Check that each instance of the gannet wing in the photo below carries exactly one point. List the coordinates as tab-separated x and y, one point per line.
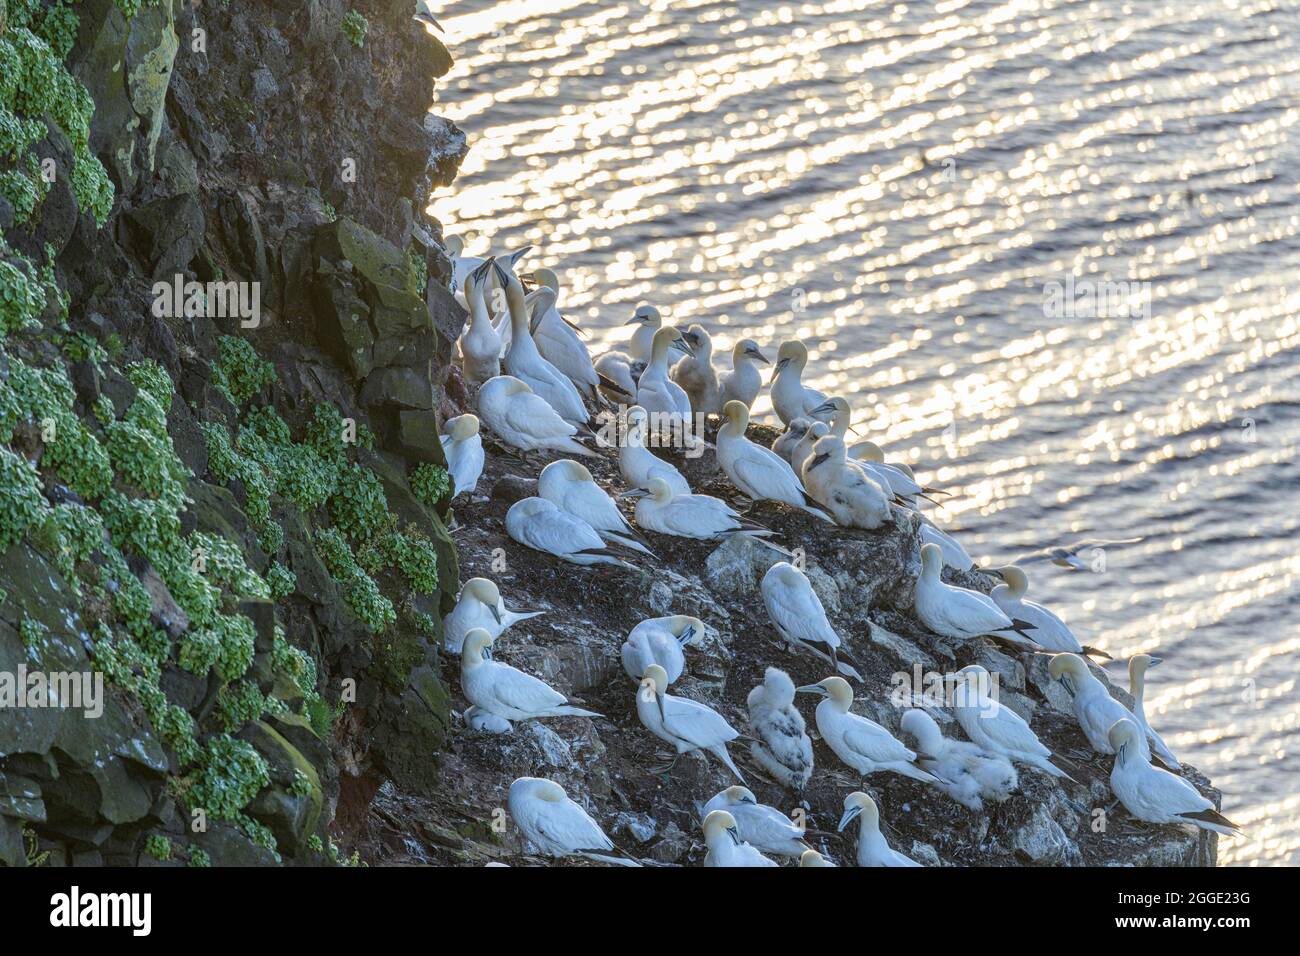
801	615
1008	730
696	723
761	474
876	743
530	414
524	692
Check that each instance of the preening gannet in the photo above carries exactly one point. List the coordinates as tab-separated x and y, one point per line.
839	486
570	487
538	524
861	743
695	373
790	398
798	616
685	724
524	420
1155	795
763	827
873	848
781	743
688	516
656	392
480	344
479	605
1094	708
638	464
743	382
789	440
960	614
1070	556
1050	632
1137	668
725	847
526	363
463	449
757	472
813	858
558	340
502	690
966	773
556	825
662	641
995	728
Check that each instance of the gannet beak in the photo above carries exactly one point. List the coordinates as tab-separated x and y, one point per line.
659	699
823	407
758	356
516	256
1067	684
817	461
634	493
849	816
634	320
496	615
681	344
685	636
1153	661
480	272
811	689
735	835
502	277
777	371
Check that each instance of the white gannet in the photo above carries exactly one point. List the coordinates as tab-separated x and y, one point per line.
995	728
702	517
1137	668
463	449
743	382
788	440
480	344
558	340
1093	706
896	479
638	464
798	616
873	848
695	373
802	451
1050	632
781	744
953	553
538	524
570	487
621	369
556	825
763	827
647	320
831	417
685	724
790	398
757	472
479	605
502	690
526	363
839	486
487	723
1067	556
967	773
858	741
958	613
725	847
424	14
662	641
656	392
813	858
1154	794
524	420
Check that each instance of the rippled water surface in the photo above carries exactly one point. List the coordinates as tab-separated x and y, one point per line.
897	183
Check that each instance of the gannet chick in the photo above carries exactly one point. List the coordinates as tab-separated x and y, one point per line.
556	825
638	464
1067	556
662	641
487	723
995	728
1137	668
570	487
702	517
695	373
798	616
722	837
781	743
763	827
743	382
526	363
953	553
813	858
873	848
538	524
480	344
648	321
790	398
1155	795
503	691
685	724
966	773
524	420
479	605
557	338
834	482
861	743
757	472
959	614
1050	632
463	449
656	392
789	439
1093	706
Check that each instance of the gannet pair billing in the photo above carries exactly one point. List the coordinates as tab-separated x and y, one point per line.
685	724
799	617
780	744
843	489
759	473
524	420
620	370
636	462
539	524
662	641
873	848
791	399
967	773
463	448
725	847
480	343
701	517
765	828
959	614
569	486
556	825
1156	795
1097	711
995	728
504	691
479	605
859	742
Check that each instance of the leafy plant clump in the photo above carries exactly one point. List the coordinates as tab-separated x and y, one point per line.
355	27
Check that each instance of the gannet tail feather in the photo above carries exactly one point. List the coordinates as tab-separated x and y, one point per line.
720	751
913	771
575	447
568	710
606	858
1213	820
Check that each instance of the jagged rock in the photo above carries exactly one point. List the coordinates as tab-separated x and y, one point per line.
167	234
291	815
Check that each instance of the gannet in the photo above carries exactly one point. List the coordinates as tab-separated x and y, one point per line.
502	690
781	744
702	517
895	478
758	472
839	486
685	724
695	373
743	382
462	265
725	848
557	338
873	848
617	383
1137	668
424	14
798	616
540	525
763	827
479	605
802	452
570	487
463	449
960	614
647	320
813	858
556	825
1050	632
858	741
967	773
953	553
790	398
487	723
1093	706
524	420
1154	794
662	641
1067	556
655	391
622	369
638	464
995	728
788	440
480	344
526	363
